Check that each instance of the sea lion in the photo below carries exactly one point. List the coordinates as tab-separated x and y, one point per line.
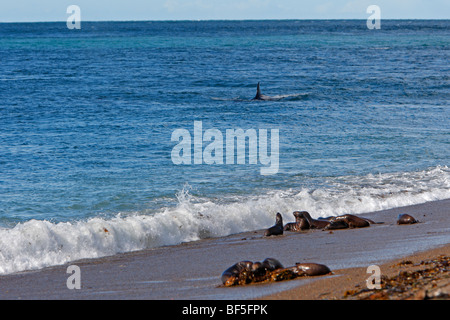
406	219
277	229
334	225
261	270
283	274
239	273
325	218
271	264
270	269
245	272
332	217
313	223
347	221
371	221
300	223
299	270
312	269
258	272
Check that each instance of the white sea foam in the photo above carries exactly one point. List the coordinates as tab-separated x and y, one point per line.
36	244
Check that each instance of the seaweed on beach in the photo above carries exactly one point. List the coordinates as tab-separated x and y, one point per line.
429	279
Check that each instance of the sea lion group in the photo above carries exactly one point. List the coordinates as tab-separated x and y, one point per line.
304	221
270	269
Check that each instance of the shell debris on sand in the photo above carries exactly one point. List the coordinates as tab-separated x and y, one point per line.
429	279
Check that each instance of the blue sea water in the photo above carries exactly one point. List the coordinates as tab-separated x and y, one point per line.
86	118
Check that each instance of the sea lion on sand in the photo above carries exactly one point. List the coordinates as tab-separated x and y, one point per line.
325	218
271	264
406	219
239	273
330	218
313	223
261	270
347	221
371	221
300	223
312	269
277	229
334	225
270	269
299	270
245	272
283	274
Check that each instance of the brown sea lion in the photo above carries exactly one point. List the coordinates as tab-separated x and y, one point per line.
330	218
245	272
277	229
283	274
313	223
300	223
370	221
406	219
261	270
334	225
271	264
347	221
326	218
299	270
312	269
239	273
270	269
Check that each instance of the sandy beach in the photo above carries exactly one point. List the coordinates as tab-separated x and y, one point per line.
350	284
192	270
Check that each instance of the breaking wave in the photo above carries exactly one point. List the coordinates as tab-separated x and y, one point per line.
36	244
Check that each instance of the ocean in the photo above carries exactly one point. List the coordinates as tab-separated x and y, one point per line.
87	119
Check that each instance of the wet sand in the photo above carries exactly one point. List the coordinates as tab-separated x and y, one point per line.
192	270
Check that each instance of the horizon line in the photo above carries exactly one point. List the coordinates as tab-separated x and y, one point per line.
205	20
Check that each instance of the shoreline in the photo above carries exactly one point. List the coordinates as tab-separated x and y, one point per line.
192	270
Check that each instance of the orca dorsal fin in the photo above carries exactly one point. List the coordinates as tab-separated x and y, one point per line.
258	92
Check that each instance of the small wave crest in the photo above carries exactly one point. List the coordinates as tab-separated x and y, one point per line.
36	244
